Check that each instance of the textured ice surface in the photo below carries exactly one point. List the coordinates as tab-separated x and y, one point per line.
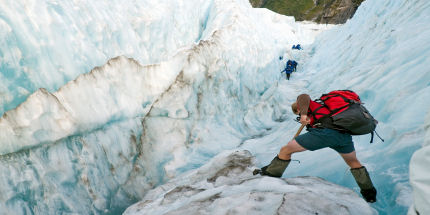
419	175
196	78
225	185
44	44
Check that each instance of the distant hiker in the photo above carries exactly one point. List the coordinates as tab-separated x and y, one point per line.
294	65
298	47
290	68
324	132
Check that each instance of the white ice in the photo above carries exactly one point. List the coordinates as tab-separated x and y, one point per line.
196	78
225	185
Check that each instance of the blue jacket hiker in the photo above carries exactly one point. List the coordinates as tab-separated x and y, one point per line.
290	68
298	47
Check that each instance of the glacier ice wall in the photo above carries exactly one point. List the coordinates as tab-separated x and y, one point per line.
44	44
86	174
100	141
105	94
208	81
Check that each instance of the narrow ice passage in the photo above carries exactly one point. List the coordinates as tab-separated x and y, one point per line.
97	142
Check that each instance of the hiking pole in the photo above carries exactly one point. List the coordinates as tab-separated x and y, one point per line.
280	75
299	131
258	171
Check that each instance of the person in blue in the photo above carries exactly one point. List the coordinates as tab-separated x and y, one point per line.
298	47
290	68
294	64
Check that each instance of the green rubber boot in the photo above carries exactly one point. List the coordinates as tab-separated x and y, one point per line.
276	168
363	180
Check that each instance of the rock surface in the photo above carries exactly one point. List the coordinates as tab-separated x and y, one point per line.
320	11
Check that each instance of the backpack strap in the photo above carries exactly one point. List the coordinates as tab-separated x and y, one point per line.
371	138
379	136
322	102
338	109
314	112
322	120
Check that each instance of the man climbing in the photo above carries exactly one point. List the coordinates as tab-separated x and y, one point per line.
294	65
290	68
319	136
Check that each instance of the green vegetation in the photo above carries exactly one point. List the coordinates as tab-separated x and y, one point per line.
256	3
322	11
296	8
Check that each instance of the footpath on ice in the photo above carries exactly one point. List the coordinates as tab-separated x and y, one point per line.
226	185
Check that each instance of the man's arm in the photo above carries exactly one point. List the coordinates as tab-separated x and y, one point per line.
303	101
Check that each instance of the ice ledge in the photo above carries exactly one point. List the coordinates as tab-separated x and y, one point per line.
225	185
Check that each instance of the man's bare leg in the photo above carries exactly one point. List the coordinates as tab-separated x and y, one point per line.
278	165
361	176
287	150
351	160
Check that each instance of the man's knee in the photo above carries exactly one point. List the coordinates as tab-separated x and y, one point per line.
285	150
292	147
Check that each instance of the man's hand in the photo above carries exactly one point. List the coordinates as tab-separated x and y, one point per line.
304	119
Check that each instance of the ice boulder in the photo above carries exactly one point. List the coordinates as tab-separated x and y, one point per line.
225	185
420	175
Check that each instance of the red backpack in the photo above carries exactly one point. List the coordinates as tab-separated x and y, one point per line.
342	110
